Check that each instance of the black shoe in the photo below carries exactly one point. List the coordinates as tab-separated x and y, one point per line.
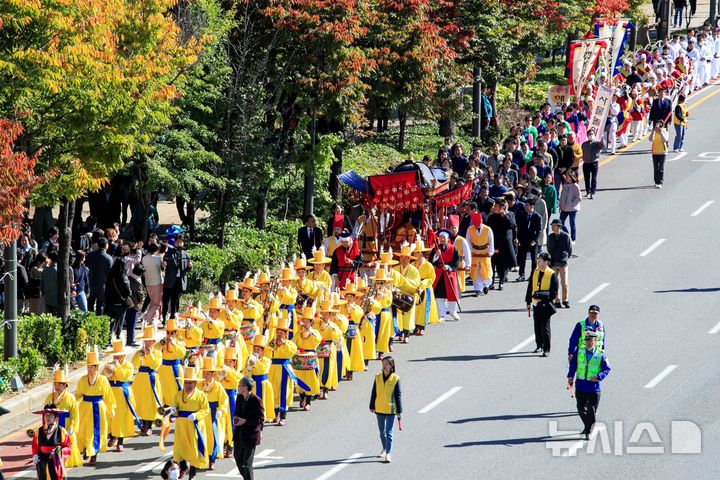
587	436
500	287
485	291
492	287
545	354
477	293
133	344
537	350
557	305
566	304
521	278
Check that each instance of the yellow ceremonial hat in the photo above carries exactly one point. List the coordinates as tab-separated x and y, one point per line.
382	275
231	295
171	325
215	304
361	284
326	306
117	348
231	352
209	365
301	264
353	289
319	257
190	375
259	341
149	333
92	358
264	278
287	274
405	251
248	284
420	246
60	376
308	313
386	259
283	323
336	300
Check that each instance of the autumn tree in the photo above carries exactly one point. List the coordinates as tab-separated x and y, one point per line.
93	81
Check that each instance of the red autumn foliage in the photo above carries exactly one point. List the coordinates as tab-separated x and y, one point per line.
17	180
610	8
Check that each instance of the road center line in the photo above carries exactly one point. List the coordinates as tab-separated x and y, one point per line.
153	465
522	344
652	247
702	207
440	399
599	289
678	157
337	468
661	376
715	329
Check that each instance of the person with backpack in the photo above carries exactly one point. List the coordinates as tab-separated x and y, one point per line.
138	294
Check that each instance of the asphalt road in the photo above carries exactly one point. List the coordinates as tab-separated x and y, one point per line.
653	268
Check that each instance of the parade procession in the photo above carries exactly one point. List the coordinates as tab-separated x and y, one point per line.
246	239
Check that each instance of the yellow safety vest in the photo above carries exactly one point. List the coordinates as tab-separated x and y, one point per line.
544	283
385	394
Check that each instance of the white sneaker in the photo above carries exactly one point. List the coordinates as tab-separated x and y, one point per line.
455	316
382	455
658	186
442	320
388	458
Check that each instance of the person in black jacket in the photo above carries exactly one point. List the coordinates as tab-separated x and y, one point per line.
309	236
661	108
529	225
559	246
177	264
248	422
540	292
117	293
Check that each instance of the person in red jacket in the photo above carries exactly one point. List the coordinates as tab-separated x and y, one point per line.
50	445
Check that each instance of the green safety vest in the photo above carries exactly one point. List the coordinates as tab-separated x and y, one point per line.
599	343
588	367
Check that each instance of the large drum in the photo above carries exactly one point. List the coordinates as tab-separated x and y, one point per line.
305	361
403	302
324	350
248	332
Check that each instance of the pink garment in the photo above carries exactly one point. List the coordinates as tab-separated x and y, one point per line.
155	308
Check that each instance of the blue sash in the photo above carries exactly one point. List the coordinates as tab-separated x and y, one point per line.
125	387
232	399
151	375
287	372
201	440
339	360
216	448
176	370
259	379
62	419
95	400
428	301
395	320
212	341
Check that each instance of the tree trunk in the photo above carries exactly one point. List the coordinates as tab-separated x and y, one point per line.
309	186
495	121
335	170
261	210
191	216
517	92
180	204
67	213
402	118
476	102
446	127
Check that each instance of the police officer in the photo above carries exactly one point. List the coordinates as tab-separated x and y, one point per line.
589	369
593	324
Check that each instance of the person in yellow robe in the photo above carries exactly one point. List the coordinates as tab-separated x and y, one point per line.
230	379
69	415
97	403
269	302
409	286
353	337
216	422
232	317
146	385
462	246
190	443
120	374
191	335
170	371
367	324
213	327
305	360
302	284
482	244
342	322
327	350
258	369
319	276
252	312
381	309
387	262
287	295
282	376
426	309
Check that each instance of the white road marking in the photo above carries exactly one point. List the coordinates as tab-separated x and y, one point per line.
715	329
681	155
343	464
573	448
153	465
702	207
265	454
652	383
652	247
440	399
712	157
522	344
25	473
599	289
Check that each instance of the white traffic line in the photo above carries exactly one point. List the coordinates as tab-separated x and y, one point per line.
522	344
25	473
661	376
715	329
573	448
343	464
440	399
702	207
678	157
599	289
148	467
652	247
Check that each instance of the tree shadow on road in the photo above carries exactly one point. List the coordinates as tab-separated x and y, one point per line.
617	189
499	310
512	441
689	290
322	463
470	358
513	417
